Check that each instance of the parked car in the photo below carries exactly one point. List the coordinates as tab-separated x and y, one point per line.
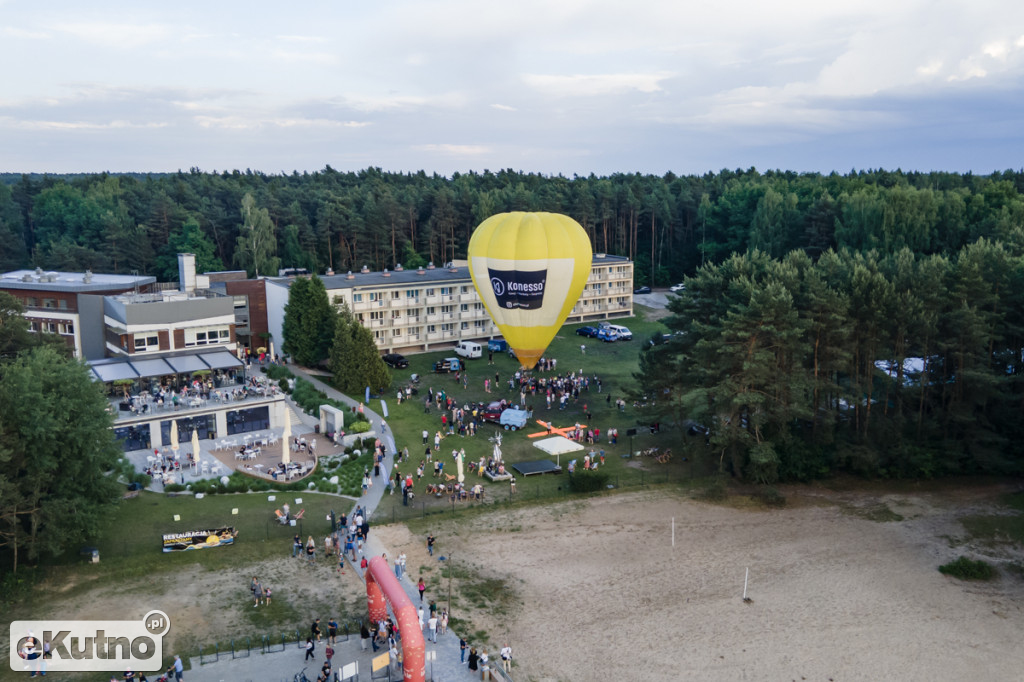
492	413
676	288
587	331
608	335
642	290
395	360
497	345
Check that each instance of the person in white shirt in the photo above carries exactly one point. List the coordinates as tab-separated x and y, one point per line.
432	628
506	657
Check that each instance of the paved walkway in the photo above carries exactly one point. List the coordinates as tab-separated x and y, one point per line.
285	665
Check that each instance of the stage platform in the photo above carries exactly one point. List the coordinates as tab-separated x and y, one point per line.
540	466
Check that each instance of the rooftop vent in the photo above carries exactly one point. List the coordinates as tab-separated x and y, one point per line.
329	272
430	265
386	273
87	277
350	275
600	255
365	270
398	268
421	271
26	278
39	272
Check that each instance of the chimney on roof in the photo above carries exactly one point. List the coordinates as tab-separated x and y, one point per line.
187	272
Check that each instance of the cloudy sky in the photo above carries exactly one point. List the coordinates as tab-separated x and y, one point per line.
552	86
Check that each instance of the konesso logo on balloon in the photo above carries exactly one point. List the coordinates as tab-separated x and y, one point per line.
41	646
516	289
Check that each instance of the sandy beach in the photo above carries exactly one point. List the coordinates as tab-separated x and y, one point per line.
603	594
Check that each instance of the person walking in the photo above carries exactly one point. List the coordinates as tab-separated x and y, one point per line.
179	669
432	629
310	648
463	645
430	544
421	586
314	630
506	658
296	546
443	622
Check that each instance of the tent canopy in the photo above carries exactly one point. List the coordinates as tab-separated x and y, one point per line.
557	445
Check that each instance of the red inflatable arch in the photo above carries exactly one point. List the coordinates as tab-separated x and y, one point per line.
381	585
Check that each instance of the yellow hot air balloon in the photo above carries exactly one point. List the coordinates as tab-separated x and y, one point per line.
529	269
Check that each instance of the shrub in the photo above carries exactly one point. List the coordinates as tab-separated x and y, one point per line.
278	372
358	426
771	497
588	481
284	385
310	399
714	489
174	488
969	569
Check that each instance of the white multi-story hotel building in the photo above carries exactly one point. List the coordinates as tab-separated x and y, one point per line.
431	308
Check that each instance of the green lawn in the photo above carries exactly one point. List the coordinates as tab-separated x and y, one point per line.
131	542
614	363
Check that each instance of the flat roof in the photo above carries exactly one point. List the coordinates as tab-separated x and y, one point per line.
39	280
404	278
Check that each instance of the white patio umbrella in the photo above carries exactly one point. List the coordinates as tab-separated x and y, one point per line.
195	445
497	452
286	436
271	350
458	465
174	435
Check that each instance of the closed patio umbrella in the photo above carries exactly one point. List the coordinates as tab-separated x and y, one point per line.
286	436
195	444
174	435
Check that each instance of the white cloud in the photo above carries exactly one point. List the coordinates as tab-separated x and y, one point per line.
23	33
598	84
503	107
454	149
123	37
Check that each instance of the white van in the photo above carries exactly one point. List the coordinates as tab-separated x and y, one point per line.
468	349
623	332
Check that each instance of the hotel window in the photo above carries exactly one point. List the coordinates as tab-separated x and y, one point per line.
396	332
445	291
30	301
144	343
357	298
412	293
430	292
465	326
205	336
431	328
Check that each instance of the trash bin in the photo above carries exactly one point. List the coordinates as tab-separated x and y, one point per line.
316	428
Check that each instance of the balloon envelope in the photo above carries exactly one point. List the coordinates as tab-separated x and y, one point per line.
529	269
